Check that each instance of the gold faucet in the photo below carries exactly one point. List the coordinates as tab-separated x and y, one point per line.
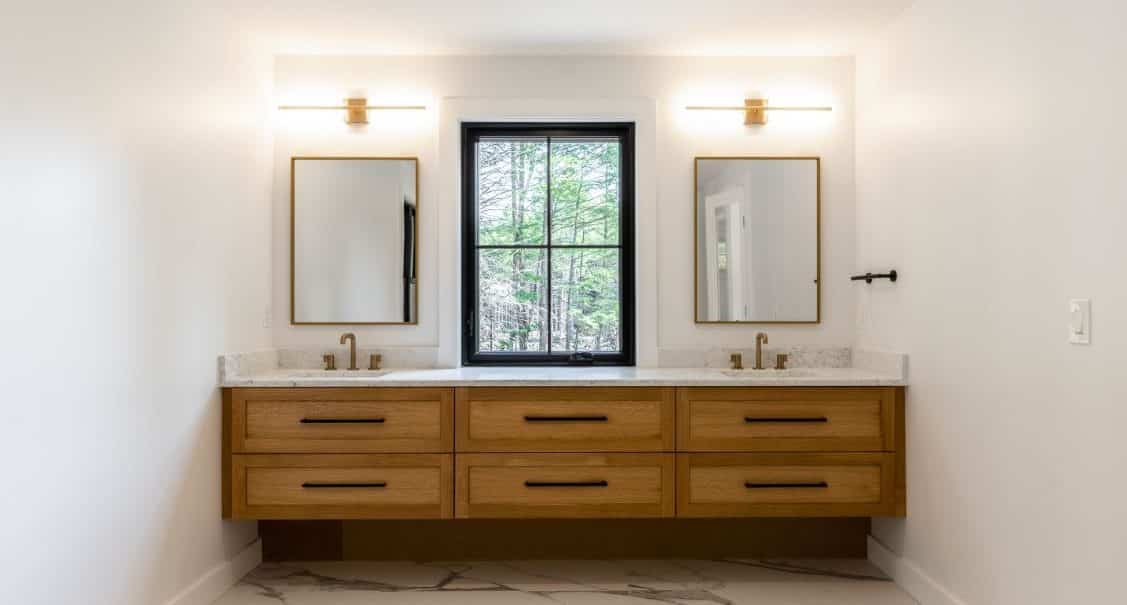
760	340
374	361
736	360
351	339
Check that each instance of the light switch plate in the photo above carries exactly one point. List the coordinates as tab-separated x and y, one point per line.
1080	321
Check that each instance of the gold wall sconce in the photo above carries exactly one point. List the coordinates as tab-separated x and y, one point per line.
357	109
755	110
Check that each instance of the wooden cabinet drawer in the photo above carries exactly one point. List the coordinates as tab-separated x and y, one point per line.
349	486
792	485
564	485
785	419
565	419
342	420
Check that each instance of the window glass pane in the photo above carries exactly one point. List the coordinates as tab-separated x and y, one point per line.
512	190
586	311
585	191
512	295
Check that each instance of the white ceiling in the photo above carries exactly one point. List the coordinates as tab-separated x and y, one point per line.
636	27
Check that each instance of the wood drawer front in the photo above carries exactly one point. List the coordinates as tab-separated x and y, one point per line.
785	420
564	485
565	419
758	485
355	486
303	420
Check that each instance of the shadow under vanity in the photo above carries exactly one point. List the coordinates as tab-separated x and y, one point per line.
396	461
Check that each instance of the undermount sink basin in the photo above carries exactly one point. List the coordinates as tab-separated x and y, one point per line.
770	373
337	373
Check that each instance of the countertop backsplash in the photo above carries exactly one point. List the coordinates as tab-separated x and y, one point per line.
799	356
393	357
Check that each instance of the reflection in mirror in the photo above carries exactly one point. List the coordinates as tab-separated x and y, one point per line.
354	240
757	240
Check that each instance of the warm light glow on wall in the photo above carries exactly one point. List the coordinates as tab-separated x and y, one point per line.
356	109
816	114
396	114
755	110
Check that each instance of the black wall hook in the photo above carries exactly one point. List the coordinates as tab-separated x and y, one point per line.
869	277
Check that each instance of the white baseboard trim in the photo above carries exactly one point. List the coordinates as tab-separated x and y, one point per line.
217	580
910	577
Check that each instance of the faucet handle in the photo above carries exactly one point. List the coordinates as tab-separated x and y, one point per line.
781	361
736	360
374	361
330	361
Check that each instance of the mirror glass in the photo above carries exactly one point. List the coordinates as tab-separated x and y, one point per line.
354	240
757	240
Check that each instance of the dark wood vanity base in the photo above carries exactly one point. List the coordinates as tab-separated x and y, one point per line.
508	539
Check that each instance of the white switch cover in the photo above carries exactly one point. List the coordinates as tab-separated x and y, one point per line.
1080	321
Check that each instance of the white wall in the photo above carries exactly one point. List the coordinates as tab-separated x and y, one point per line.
653	90
991	154
134	162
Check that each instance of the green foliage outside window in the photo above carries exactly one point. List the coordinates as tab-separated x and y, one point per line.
517	310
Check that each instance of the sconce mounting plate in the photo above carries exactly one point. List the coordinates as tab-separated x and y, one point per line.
755	112
357	111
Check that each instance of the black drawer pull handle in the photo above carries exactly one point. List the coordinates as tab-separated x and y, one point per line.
375	484
756	420
594	418
815	484
566	484
342	420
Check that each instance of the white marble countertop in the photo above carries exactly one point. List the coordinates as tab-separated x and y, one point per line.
563	376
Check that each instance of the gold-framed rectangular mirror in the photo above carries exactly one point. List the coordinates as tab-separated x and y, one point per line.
354	240
756	244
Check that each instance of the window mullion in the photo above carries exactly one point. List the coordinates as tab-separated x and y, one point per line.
548	260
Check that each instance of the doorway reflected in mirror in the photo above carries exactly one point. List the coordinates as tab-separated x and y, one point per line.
757	240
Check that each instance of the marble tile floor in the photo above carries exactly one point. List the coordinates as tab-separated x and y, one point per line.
677	582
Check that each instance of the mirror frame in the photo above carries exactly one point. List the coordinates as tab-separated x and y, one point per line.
293	247
818	237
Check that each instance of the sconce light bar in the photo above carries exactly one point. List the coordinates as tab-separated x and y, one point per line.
755	110
357	109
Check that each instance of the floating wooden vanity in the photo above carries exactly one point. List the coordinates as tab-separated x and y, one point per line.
562	452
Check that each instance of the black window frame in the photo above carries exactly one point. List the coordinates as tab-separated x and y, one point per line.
472	132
